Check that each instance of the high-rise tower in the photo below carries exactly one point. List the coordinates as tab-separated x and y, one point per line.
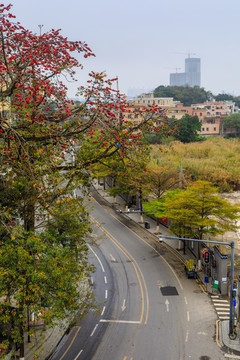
193	71
192	75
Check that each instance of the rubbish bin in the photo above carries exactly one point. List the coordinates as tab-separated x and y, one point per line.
147	225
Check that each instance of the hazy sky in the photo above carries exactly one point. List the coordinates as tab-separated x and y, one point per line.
141	42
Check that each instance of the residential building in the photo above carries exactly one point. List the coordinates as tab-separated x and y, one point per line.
178	111
210	113
149	100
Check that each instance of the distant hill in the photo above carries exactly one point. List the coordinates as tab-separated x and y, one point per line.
192	95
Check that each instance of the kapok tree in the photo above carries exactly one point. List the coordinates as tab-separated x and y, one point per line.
44	156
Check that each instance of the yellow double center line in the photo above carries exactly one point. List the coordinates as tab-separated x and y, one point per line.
78	328
139	274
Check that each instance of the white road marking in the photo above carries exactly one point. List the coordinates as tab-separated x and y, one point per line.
223	313
221	303
186	339
124	305
94	330
225	308
219	300
105	279
97	257
167	305
106	294
223	317
188	316
120	321
185	299
78	354
103	310
112	258
202	333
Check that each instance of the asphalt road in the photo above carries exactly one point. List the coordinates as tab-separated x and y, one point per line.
148	309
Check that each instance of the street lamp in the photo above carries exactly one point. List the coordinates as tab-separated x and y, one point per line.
231	244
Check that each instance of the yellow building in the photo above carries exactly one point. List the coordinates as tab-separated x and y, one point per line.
149	100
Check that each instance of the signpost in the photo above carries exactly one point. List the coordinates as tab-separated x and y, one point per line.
215	284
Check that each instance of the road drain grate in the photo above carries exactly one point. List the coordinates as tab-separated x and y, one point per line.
169	291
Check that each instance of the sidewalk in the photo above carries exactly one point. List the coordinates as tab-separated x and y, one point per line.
223	326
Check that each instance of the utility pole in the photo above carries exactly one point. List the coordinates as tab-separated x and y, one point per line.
40	29
119	109
180	177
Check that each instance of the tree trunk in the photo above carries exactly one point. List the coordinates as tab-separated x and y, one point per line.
127	202
22	343
199	247
141	207
29	216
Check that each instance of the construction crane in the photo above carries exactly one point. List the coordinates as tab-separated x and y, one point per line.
176	68
189	53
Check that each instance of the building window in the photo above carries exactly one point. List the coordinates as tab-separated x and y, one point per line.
203	129
207	129
214	129
136	116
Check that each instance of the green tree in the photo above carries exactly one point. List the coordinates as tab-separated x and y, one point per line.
185	94
157	207
231	124
224	97
228	97
188	129
198	210
39	274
